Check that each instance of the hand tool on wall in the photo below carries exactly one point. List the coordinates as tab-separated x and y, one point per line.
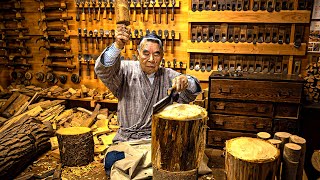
193	33
87	60
203	63
147	32
301	4
95	32
278	65
297	66
172	41
110	12
291	4
52	19
230	33
232	63
224	31
298	37
101	38
249	33
62	66
221	5
275	32
201	5
166	2
135	2
205	33
79	39
217	33
78	9
228	5
91	39
54	39
284	5
233	5
160	33
199	33
181	66
278	4
94	58
211	33
107	33
209	63
153	3
147	3
94	9
195	5
173	3
83	15
256	5
85	39
214	5
160	2
154	32
207	5
191	62
163	62
136	36
261	34
129	6
59	58
166	35
141	2
80	67
265	65
64	48
281	37
104	15
20	49
255	34
270	5
174	63
141	33
48	8
197	62
268	32
89	13
245	5
168	64
131	42
287	35
263	5
99	10
113	35
240	5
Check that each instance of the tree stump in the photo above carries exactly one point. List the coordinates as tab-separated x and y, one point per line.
21	143
291	156
76	146
251	158
263	135
275	142
301	142
178	141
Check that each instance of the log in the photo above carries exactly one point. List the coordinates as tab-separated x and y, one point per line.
301	142
12	98
315	160
263	135
178	141
275	142
91	120
284	138
21	143
291	156
76	146
251	158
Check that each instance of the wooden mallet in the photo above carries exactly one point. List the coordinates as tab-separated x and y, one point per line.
122	12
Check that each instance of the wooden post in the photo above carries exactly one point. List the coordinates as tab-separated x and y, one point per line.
178	141
301	142
275	142
76	146
251	158
284	138
263	135
291	156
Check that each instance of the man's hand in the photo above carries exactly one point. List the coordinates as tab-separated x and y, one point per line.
122	35
180	83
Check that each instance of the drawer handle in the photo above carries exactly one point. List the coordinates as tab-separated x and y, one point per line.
220	106
217	139
225	91
285	93
259	125
219	122
261	109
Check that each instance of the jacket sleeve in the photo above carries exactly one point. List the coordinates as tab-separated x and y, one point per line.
111	75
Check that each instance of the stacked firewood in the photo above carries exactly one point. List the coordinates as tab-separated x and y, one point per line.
312	85
292	154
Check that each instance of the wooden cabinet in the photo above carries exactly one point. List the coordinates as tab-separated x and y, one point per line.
245	105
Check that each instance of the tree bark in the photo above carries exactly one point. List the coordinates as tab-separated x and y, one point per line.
21	143
251	158
178	141
76	146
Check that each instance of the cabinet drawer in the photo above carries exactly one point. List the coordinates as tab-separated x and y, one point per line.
287	125
256	90
243	123
241	108
287	111
218	138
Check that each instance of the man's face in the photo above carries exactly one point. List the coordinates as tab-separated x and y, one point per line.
150	56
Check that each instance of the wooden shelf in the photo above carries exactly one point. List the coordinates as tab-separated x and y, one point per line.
177	5
246	48
88	99
284	16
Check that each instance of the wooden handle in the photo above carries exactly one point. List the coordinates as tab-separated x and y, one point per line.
159	19
110	15
134	16
98	18
167	17
146	15
154	17
83	16
104	15
165	45
141	16
131	45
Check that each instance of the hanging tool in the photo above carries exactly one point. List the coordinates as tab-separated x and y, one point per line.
147	3
135	2
80	67
110	13
181	65
113	35
153	3
64	48
163	63
79	40
173	2
136	36
166	35
107	32
85	39
89	13
68	67
54	39
172	41
58	58
78	9
147	32
99	10
141	9
141	33
166	2
83	15
94	9
95	32
160	2
52	8
160	33
52	19
87	59
91	39
131	42
104	15
101	38
129	4
174	63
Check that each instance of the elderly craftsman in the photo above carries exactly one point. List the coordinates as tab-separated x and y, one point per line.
138	85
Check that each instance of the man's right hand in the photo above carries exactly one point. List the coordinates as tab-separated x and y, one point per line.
122	36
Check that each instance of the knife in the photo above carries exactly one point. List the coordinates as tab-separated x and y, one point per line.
172	97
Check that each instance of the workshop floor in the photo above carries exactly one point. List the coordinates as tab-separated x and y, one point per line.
95	170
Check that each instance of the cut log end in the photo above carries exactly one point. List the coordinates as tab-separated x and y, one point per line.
275	142
73	130
282	135
182	112
263	135
252	149
297	139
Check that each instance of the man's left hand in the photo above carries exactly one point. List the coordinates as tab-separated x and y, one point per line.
180	83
